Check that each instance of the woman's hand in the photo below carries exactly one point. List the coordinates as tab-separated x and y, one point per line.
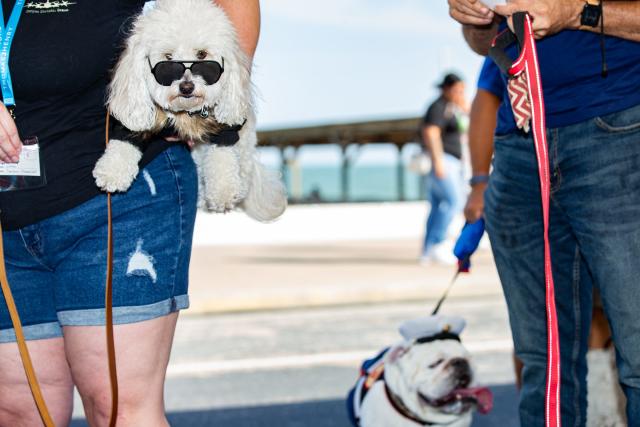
10	144
470	12
549	16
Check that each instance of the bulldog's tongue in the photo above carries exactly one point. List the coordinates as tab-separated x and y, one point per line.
481	395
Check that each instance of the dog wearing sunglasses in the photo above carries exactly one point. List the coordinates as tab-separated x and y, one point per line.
183	69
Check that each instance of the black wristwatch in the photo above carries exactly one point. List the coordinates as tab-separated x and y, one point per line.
591	14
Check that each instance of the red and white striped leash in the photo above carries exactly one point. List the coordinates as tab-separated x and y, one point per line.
527	100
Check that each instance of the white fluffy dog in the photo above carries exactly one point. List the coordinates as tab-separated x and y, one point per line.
424	380
197	104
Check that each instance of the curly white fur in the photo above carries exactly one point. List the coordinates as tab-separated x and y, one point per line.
118	167
186	30
606	400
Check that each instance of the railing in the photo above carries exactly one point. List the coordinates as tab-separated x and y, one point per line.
398	132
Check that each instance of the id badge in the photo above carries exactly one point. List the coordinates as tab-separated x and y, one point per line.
28	173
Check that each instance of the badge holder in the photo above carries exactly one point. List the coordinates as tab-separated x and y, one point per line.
28	173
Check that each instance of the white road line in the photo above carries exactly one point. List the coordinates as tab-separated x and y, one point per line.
353	358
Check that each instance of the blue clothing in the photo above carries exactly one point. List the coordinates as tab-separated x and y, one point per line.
595	241
492	80
446	199
57	267
359	391
574	89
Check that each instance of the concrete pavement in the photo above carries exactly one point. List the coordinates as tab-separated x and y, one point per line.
266	277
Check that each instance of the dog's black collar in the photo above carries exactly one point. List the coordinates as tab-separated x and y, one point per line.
401	409
438	337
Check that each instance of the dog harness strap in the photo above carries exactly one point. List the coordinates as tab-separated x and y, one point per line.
228	136
371	373
527	101
22	345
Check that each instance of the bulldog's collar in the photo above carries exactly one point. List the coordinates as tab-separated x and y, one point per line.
401	408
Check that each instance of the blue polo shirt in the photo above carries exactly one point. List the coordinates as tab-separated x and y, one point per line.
574	89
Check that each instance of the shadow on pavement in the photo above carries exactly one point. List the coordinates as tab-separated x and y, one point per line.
324	413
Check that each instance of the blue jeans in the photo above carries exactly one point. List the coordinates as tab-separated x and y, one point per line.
595	241
57	267
445	197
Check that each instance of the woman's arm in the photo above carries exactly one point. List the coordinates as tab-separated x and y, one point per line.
245	15
432	139
10	144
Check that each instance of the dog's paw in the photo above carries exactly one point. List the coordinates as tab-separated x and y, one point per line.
222	199
118	167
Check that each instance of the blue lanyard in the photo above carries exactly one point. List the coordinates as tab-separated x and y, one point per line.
7	38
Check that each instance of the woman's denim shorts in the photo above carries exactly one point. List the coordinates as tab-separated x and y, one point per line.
57	267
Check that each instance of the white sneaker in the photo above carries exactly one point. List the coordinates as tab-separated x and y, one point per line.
425	260
441	254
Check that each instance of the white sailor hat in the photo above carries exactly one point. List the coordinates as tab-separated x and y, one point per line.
424	328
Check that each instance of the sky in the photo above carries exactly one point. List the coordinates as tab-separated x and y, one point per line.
335	61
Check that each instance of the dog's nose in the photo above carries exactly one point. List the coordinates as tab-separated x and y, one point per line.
459	363
187	88
462	371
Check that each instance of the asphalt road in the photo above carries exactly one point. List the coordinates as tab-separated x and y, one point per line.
293	368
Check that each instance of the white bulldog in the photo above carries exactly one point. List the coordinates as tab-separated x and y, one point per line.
426	380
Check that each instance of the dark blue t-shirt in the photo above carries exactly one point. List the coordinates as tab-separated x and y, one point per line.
492	80
574	89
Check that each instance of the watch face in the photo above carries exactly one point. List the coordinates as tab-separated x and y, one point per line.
590	15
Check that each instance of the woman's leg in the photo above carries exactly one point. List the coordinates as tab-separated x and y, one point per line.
17	408
434	198
446	201
142	352
152	231
31	281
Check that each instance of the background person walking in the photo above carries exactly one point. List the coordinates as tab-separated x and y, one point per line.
442	130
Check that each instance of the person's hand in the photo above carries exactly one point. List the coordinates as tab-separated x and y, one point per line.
470	12
474	209
10	144
549	16
439	170
174	138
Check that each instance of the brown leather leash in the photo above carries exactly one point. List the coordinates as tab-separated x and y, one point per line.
22	345
108	305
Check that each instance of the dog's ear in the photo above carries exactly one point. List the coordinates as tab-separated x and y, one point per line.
395	353
235	101
129	100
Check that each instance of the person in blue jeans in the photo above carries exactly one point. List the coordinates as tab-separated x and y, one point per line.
593	121
442	129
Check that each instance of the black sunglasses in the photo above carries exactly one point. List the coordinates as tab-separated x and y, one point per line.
167	72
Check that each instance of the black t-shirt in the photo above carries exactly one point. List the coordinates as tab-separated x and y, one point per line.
443	115
60	66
